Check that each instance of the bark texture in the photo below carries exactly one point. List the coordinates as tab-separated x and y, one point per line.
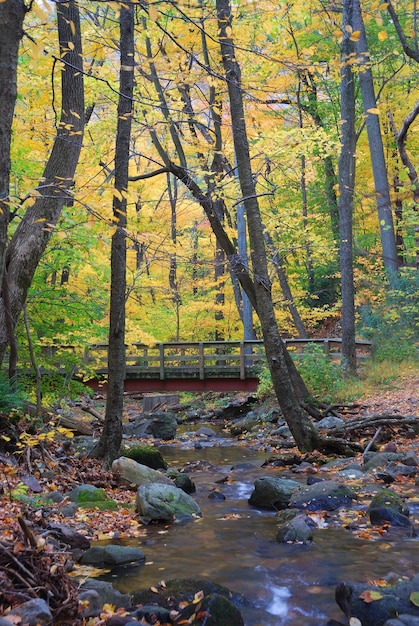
34	231
305	434
346	192
379	169
12	14
111	436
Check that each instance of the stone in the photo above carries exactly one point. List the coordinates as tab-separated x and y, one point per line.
410	458
327	495
330	421
112	556
90	497
32	613
138	474
162	426
182	481
70	537
145	455
272	493
106	594
157	501
373	460
295	530
217	609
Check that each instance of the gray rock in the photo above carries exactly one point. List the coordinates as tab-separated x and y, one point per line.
272	493
403	620
92	603
373	460
112	555
351	474
410	458
162	426
156	501
244	424
183	481
326	495
206	432
330	421
393	601
133	472
106	594
32	613
295	530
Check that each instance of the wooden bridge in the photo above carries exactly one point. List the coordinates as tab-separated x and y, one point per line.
201	365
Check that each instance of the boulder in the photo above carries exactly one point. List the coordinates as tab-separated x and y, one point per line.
215	610
296	530
387	507
272	493
112	556
162	426
157	501
376	605
327	495
32	613
96	593
138	474
90	497
145	455
183	481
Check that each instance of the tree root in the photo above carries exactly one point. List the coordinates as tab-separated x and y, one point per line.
374	421
335	445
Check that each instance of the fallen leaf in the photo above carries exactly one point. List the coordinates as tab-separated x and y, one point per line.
369	595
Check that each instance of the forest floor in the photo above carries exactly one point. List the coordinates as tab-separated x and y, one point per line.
44	465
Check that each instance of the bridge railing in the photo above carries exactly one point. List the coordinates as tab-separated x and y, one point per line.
206	359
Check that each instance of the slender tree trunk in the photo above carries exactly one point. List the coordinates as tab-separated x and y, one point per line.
305	434
285	288
382	192
110	440
12	14
346	192
34	231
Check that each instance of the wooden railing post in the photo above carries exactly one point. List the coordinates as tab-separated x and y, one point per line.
326	346
161	355
242	361
201	358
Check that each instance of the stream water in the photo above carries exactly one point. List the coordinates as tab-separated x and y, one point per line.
234	545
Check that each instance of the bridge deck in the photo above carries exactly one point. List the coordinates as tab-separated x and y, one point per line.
200	366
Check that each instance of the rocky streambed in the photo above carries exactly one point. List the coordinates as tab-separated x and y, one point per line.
262	536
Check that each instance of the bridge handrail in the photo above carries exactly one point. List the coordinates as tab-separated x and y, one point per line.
207	358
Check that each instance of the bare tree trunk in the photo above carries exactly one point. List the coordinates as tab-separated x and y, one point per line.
382	192
346	193
12	14
34	231
110	440
305	434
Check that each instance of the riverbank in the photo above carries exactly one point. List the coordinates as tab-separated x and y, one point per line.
57	467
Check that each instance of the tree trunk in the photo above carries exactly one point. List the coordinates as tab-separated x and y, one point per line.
346	193
382	192
12	14
34	231
110	440
305	434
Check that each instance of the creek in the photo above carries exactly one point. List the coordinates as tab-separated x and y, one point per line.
234	545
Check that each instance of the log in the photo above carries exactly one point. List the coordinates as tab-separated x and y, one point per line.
81	428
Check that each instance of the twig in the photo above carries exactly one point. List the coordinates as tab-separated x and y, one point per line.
373	440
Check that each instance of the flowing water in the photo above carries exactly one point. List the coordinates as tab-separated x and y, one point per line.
234	545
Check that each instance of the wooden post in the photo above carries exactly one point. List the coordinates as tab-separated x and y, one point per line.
161	353
242	361
201	361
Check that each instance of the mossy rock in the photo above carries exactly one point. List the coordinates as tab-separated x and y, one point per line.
146	455
90	497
